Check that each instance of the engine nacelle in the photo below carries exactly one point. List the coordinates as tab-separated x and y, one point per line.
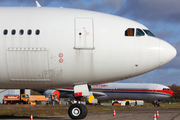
48	93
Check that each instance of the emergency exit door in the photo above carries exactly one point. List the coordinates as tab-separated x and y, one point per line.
84	35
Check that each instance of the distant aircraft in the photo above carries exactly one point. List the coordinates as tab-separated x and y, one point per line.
120	91
48	48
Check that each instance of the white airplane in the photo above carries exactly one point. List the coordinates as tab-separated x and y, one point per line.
47	48
136	91
120	91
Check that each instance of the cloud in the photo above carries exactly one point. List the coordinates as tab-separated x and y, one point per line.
175	63
160	76
10	3
164	34
107	6
43	3
95	5
177	46
151	10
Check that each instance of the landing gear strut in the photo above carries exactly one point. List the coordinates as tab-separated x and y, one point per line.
77	111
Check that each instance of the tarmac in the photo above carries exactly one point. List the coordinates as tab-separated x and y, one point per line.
127	114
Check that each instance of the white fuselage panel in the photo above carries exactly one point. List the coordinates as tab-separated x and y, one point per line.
55	47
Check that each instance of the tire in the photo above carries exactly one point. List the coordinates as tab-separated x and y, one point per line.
127	103
135	103
77	111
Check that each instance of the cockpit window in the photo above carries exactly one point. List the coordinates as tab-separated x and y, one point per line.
166	89
139	32
129	32
149	33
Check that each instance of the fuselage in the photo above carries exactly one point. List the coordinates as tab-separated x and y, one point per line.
136	91
43	48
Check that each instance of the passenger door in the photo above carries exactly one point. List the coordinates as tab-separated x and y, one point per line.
84	33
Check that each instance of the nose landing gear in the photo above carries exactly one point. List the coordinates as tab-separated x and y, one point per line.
77	111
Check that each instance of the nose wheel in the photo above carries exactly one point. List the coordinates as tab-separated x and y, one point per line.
77	111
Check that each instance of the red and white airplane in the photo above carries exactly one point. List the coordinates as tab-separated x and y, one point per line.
120	91
48	48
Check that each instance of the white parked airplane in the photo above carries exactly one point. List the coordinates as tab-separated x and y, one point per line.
47	48
120	91
136	91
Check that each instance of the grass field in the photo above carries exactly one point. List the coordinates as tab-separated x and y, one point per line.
51	110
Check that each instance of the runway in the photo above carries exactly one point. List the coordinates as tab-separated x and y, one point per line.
127	114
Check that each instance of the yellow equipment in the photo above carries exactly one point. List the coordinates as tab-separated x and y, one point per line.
13	99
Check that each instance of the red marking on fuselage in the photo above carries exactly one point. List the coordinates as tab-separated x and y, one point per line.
60	55
169	92
101	85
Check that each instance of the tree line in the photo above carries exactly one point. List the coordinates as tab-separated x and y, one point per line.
176	90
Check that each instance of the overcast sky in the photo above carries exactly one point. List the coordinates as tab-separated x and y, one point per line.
162	17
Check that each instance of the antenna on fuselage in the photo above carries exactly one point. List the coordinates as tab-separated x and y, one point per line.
37	3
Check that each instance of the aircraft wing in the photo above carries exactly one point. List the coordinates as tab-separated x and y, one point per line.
68	91
97	94
71	91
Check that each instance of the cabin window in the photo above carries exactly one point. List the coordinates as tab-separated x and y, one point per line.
139	32
149	33
5	32
129	32
29	32
37	32
21	32
13	32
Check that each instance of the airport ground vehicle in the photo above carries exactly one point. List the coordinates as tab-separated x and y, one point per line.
128	102
55	98
156	103
24	99
37	98
13	99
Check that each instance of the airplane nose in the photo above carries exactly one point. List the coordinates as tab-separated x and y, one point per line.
167	52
